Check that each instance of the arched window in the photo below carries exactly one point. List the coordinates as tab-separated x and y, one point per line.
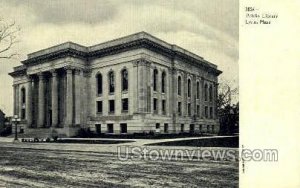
99	83
155	73
210	93
198	90
111	81
189	87
179	85
163	82
205	92
23	100
124	75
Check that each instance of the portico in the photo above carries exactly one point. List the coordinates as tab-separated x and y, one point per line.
53	98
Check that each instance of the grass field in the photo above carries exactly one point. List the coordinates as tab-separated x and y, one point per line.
28	167
228	142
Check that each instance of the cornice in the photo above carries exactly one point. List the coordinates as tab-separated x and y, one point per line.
90	53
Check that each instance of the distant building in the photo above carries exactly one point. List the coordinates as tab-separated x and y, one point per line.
2	120
137	83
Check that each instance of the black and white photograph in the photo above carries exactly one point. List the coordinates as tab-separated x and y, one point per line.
131	93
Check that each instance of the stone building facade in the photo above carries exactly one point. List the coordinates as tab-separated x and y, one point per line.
137	83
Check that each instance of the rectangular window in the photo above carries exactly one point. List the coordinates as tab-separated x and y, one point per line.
207	128
163	106
192	128
200	127
23	114
98	128
166	128
182	128
157	126
198	90
124	105
189	109
206	112
179	108
123	127
110	128
212	128
198	110
111	106
155	105
99	106
211	112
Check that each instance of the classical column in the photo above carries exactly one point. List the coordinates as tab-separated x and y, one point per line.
142	86
54	99
77	81
29	102
215	101
184	95
15	99
69	97
202	112
41	101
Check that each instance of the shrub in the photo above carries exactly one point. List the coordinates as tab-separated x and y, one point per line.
55	138
36	140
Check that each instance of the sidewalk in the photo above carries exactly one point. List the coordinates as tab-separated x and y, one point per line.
6	139
136	142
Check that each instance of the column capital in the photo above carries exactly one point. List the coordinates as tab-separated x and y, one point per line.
41	75
29	78
68	69
142	62
87	72
78	71
53	72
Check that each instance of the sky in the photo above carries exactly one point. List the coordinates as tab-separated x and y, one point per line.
209	28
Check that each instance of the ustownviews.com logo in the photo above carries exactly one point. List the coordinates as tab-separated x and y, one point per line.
126	153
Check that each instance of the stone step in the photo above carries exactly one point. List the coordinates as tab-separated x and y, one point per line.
37	133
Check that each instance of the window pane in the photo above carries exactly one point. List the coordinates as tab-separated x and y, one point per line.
155	104
189	88
210	93
179	85
125	104
205	92
110	128
198	93
99	106
155	72
163	80
111	106
111	82
99	84
124	80
164	106
123	127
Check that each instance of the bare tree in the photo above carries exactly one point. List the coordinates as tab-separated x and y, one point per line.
228	109
226	94
8	38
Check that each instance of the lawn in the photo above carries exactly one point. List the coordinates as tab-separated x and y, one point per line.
28	167
228	142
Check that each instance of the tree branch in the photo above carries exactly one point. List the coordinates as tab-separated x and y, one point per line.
8	36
